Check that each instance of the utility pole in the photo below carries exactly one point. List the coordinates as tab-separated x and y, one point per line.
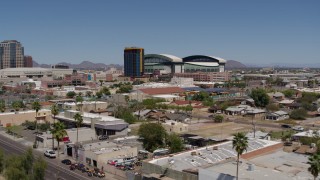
254	127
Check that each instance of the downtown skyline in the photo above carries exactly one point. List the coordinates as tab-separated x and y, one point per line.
250	32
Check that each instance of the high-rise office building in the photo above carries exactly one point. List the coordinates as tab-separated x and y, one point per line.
28	62
12	54
133	62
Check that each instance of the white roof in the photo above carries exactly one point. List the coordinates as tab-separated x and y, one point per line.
165	96
286	101
174	58
209	64
220	59
24	69
165	56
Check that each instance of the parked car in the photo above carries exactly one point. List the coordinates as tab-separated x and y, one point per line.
115	161
72	167
287	126
298	128
66	162
50	154
103	137
31	127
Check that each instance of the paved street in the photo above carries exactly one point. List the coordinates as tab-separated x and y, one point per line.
54	170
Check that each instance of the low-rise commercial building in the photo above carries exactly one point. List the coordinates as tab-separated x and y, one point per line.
86	106
97	154
19	117
103	125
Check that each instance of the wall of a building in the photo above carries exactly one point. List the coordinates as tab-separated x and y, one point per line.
149	168
20	117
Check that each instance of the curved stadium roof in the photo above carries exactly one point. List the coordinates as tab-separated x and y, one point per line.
168	57
194	58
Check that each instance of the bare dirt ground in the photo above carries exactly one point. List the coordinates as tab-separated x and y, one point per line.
224	130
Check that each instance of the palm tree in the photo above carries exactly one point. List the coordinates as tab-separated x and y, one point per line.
79	100
240	144
54	112
36	106
101	81
58	132
314	162
79	120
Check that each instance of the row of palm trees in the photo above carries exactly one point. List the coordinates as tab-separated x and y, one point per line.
58	128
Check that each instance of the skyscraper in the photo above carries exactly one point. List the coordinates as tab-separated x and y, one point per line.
133	62
28	62
11	54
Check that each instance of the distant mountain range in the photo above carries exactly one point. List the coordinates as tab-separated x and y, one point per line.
284	65
232	64
82	65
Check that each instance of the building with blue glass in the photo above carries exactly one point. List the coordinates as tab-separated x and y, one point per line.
133	62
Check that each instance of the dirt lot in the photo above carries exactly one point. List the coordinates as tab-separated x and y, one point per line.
213	129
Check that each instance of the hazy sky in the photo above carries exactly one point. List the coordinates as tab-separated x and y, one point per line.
250	31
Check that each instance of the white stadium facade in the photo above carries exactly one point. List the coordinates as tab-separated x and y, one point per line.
169	64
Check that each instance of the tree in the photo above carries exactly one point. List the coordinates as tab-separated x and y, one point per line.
175	143
79	100
71	94
99	94
105	91
272	107
288	93
218	118
13	173
137	106
201	96
260	97
152	135
54	112
188	108
36	106
58	132
27	161
125	114
79	120
2	106
39	168
101	81
17	105
240	144
23	167
1	161
314	162
298	114
88	93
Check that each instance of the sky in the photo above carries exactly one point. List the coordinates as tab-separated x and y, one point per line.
249	31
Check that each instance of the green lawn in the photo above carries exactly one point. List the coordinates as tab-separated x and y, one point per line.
281	134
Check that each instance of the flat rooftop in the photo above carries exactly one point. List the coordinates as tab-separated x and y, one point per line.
104	147
24	112
277	165
208	156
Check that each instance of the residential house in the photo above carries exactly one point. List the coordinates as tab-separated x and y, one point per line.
277	96
175	127
278	115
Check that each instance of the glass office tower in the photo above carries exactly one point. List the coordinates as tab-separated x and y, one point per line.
133	62
12	54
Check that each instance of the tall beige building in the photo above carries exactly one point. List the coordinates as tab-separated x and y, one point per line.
11	54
